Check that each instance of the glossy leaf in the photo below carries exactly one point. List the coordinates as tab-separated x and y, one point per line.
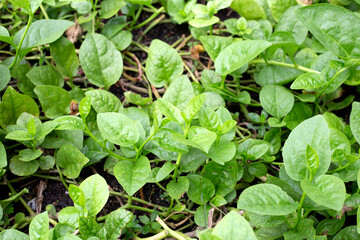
55	101
96	193
4	76
276	100
180	92
266	199
39	227
355	120
313	132
132	175
215	44
170	111
116	221
234	226
103	101
12	105
163	64
45	75
335	28
21	168
308	81
100	60
200	190
118	128
71	160
64	55
238	54
178	188
312	160
326	190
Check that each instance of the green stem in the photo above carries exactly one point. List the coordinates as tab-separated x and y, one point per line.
143	144
289	65
12	190
62	177
299	210
154	15
53	222
329	82
54	178
161	235
43	10
111	153
18	48
136	17
171	232
342	167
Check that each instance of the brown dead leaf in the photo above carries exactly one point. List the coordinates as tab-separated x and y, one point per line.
74	32
196	50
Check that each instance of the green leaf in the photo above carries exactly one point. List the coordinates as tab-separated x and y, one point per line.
177	188
308	81
69	123
194	106
199	137
275	75
163	64
55	101
132	175
3	157
25	4
180	92
44	129
266	199
118	128
85	107
222	152
96	193
215	44
5	76
39	227
103	101
313	132
330	226
305	230
276	100
326	190
222	176
312	160
201	190
36	35
71	160
109	8
19	135
24	84
88	227
325	27
64	55
209	119
278	7
5	36
46	162
348	233
12	106
164	139
164	171
249	9
10	234
100	60
70	215
300	112
201	215
77	195
116	221
238	54
45	75
234	226
28	155
265	221
22	168
145	2
355	120
203	22
290	23
170	111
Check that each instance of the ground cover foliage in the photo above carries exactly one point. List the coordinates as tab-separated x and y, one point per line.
241	121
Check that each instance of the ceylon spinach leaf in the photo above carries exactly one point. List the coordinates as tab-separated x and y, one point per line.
180	92
12	106
132	175
335	28
177	188
71	160
39	227
355	120
103	101
64	55
326	190
215	44
118	128
238	54
4	76
55	101
313	132
201	190
266	199
276	100
163	64
101	61
96	193
45	75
